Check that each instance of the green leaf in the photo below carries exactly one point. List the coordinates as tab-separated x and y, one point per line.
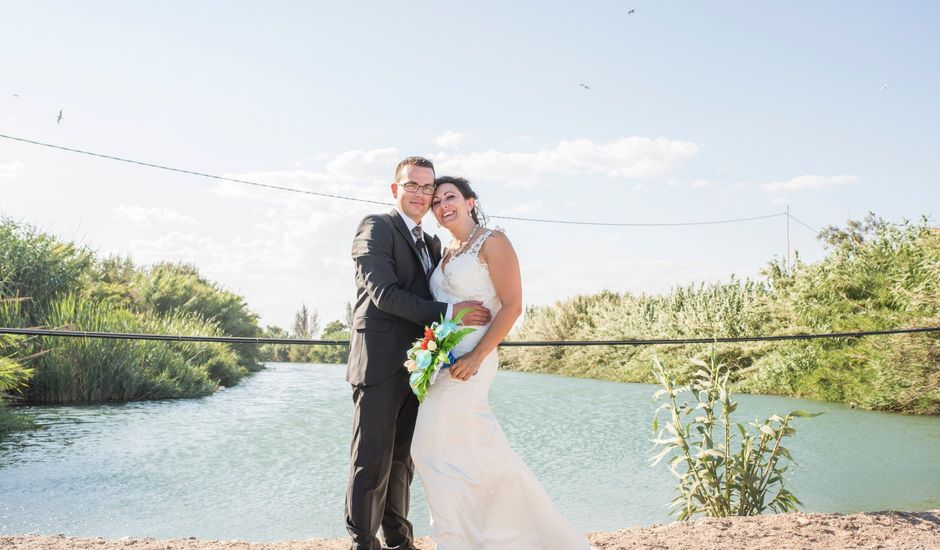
460	315
662	454
764	428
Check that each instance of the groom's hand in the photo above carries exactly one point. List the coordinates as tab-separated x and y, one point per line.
478	315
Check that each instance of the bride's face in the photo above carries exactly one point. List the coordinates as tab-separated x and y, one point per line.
449	206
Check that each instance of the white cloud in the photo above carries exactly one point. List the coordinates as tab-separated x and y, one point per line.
146	217
631	157
374	165
11	170
808	182
526	208
449	139
698	183
344	185
175	247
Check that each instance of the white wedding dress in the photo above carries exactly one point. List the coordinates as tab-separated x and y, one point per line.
481	495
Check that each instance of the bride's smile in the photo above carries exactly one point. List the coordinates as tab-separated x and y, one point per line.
452	210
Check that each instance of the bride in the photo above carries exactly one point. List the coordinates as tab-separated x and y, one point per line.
481	495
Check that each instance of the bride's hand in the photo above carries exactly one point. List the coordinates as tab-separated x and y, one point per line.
465	367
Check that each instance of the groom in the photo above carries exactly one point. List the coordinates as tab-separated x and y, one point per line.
394	258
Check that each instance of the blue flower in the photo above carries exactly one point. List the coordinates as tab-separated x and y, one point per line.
423	359
413	379
444	329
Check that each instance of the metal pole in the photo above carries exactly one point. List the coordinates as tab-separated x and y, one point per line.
788	239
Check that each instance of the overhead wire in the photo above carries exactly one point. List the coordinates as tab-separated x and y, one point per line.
369	201
290	341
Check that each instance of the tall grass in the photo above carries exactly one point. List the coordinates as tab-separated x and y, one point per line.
14	373
722	467
876	276
45	282
92	369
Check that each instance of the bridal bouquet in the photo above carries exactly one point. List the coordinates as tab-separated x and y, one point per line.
432	353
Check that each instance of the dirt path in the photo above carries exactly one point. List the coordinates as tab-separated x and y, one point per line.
919	530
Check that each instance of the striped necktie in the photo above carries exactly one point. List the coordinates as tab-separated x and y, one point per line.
422	248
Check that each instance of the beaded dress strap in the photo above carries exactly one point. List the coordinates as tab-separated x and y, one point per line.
478	244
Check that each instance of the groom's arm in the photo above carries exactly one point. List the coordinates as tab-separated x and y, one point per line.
372	251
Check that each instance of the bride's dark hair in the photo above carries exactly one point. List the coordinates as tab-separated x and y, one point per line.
463	187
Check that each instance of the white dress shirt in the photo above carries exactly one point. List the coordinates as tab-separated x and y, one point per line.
410	224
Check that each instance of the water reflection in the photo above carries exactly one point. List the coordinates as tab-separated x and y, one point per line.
267	459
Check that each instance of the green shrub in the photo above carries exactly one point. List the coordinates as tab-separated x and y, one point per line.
718	475
93	369
876	276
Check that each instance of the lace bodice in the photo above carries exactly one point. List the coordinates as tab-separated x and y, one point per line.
466	277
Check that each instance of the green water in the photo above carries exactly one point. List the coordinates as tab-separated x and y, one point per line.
267	460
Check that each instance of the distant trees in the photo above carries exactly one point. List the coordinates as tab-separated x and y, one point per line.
307	327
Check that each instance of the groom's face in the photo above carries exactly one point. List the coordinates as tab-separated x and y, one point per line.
414	205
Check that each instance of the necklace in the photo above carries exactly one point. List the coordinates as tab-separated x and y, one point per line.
462	246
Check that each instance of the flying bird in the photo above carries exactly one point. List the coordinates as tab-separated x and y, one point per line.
59	120
883	88
631	12
585	86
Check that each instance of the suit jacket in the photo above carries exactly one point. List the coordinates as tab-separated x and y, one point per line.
393	297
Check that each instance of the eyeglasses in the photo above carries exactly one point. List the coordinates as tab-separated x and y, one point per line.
413	187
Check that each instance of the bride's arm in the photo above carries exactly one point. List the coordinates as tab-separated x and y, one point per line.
503	265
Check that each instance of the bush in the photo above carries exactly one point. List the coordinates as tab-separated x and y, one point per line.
716	476
92	369
46	282
876	276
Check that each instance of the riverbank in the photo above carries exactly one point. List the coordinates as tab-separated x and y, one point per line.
877	275
908	530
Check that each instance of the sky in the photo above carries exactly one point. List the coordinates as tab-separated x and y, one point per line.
679	112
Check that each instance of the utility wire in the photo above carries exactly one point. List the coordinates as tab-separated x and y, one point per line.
193	173
355	199
510	343
618	224
804	224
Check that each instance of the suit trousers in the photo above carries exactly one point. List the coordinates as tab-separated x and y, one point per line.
381	469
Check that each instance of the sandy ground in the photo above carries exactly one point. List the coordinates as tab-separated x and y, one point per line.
782	531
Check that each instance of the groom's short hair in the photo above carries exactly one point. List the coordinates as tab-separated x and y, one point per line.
413	161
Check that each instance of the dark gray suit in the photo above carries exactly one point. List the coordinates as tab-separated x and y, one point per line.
393	303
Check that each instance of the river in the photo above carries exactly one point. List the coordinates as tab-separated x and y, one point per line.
268	459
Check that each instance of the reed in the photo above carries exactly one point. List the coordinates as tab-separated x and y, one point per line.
14	373
91	370
45	282
876	276
722	467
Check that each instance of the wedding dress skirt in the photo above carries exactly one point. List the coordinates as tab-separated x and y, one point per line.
480	494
